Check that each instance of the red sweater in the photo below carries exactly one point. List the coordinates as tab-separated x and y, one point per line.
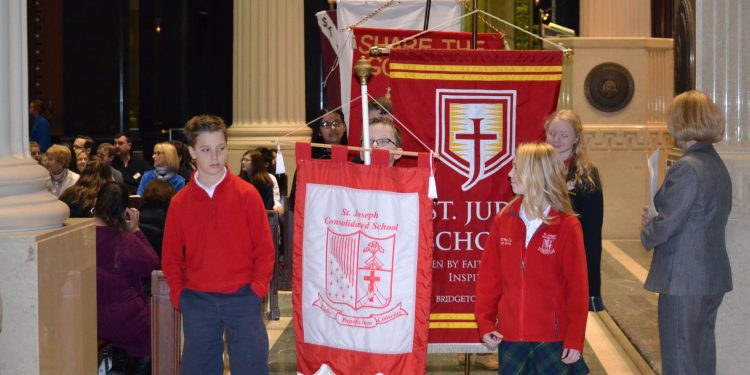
537	293
217	244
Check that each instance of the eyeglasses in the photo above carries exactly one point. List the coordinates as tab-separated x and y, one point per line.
382	142
331	124
158	153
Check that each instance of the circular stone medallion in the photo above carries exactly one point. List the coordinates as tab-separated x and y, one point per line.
609	87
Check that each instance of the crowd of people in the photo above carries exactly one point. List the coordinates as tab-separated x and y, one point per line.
188	200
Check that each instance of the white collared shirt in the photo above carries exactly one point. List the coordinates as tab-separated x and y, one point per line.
210	189
531	225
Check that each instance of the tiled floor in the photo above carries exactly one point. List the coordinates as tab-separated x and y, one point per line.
624	264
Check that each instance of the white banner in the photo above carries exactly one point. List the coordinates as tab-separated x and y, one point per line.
359	268
402	14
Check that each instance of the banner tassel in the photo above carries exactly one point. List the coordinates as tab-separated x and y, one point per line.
280	167
432	186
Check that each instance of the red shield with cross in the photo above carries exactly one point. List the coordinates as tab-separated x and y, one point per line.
476	131
359	269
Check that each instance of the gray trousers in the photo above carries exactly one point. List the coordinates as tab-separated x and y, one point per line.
686	333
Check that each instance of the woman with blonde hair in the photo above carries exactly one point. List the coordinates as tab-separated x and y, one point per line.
565	133
532	288
166	167
690	269
57	161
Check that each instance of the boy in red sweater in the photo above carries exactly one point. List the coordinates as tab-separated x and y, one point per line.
217	257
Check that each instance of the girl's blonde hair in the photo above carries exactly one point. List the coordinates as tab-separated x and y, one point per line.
542	174
584	170
170	153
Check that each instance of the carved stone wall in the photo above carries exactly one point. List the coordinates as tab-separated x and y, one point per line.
620	153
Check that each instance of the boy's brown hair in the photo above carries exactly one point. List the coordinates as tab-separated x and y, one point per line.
203	124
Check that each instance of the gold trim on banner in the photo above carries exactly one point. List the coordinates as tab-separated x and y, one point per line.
477	68
477	77
452	325
452	316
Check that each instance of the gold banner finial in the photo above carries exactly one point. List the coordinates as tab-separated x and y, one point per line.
363	69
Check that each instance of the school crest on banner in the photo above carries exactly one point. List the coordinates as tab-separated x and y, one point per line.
359	274
475	131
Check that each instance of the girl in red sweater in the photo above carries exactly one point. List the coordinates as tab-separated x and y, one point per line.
532	293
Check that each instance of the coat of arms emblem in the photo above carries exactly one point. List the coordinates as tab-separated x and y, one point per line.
359	274
476	131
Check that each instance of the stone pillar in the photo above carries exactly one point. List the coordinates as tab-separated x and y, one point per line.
269	78
25	203
615	18
619	141
721	55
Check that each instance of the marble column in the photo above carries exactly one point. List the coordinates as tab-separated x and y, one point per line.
47	270
721	57
269	78
25	203
619	142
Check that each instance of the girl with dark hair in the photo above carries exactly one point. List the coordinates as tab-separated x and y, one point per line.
123	258
331	130
186	161
156	200
254	171
269	156
80	197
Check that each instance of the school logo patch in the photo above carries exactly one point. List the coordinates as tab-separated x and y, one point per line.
476	131
548	244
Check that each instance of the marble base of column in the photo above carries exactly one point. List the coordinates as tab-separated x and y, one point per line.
25	203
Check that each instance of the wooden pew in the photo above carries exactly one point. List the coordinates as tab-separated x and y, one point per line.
166	329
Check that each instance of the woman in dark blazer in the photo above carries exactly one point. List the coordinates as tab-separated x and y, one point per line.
690	268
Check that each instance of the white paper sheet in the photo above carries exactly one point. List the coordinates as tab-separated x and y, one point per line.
653	172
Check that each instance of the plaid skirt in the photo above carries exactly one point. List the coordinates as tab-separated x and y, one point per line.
536	358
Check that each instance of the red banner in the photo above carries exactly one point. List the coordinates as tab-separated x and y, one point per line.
362	265
367	38
473	107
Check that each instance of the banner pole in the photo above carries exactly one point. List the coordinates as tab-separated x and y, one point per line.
474	25
427	14
363	68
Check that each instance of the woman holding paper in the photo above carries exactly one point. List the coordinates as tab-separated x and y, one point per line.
565	132
531	292
690	268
